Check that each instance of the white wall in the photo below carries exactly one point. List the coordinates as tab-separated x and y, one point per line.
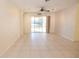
27	23
65	22
76	33
9	25
21	22
52	23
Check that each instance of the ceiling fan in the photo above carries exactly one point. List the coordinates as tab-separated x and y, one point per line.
42	9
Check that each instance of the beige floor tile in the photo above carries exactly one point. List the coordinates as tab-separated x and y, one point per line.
42	45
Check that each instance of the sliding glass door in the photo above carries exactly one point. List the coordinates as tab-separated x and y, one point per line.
38	24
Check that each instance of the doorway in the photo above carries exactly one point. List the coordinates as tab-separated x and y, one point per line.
38	24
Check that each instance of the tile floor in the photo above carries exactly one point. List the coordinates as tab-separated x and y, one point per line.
42	45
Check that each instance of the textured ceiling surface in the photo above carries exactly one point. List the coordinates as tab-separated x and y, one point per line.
35	5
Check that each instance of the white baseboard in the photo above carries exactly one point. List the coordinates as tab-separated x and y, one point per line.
64	36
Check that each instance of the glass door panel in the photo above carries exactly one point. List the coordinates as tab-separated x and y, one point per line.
38	24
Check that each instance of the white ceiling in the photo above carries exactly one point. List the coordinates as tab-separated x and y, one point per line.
35	5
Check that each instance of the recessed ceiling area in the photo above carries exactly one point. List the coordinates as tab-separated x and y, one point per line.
35	5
